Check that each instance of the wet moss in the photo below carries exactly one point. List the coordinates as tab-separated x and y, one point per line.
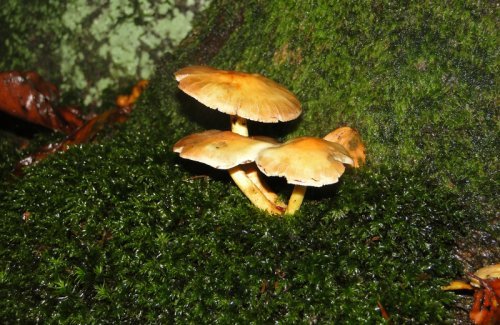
123	230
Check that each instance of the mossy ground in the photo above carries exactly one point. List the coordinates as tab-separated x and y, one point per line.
124	230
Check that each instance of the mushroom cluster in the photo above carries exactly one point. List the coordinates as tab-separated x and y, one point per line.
304	161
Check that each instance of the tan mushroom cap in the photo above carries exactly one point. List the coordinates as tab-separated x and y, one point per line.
305	161
487	272
249	96
220	149
351	141
193	70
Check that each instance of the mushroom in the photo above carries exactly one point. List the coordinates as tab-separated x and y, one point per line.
228	150
351	141
243	96
305	161
255	176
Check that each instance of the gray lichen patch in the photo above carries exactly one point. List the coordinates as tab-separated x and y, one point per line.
123	40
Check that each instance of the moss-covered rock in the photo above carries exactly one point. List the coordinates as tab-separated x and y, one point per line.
125	231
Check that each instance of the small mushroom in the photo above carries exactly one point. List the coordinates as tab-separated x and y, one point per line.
351	141
243	96
228	150
305	161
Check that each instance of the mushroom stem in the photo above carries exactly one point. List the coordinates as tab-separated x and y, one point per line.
254	175
295	199
239	125
251	191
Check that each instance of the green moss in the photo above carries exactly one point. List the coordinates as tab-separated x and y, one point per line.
125	231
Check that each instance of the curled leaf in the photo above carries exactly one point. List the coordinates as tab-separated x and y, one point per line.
27	96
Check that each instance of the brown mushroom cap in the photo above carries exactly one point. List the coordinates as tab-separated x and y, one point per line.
249	96
305	161
220	149
351	141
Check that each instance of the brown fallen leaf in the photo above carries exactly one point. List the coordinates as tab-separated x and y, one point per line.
83	134
486	307
26	95
383	312
128	100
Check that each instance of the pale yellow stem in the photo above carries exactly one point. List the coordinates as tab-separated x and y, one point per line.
239	125
251	191
254	175
296	199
